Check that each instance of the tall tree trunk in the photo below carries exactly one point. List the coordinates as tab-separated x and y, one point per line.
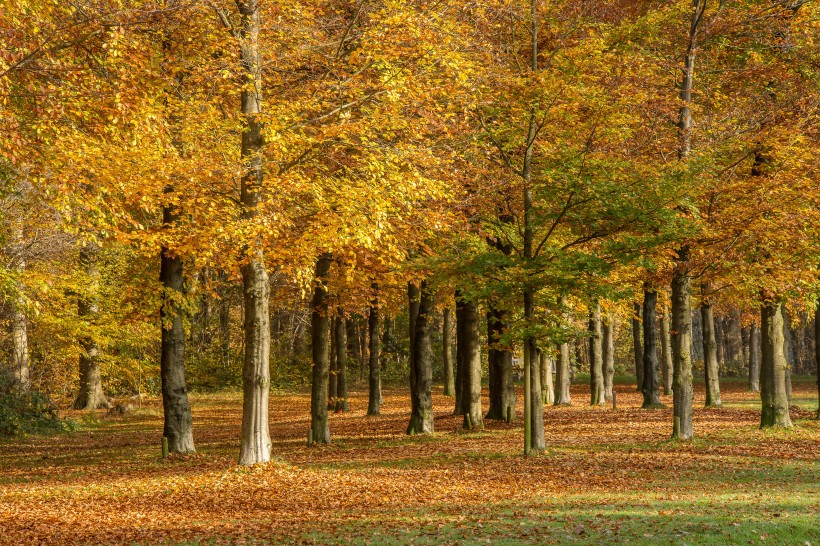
562	379
609	355
178	423
91	394
734	337
788	352
353	346
817	351
256	444
319	338
332	375
499	359
547	386
374	383
413	302
447	353
19	323
754	358
468	347
341	362
710	364
650	387
637	344
716	331
773	395
682	392
596	357
421	395
666	355
460	366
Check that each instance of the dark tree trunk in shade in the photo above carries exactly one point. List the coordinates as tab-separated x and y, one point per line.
773	368
562	379
596	357
609	355
547	386
413	301
682	390
817	350
637	344
353	346
447	352
499	358
178	424
754	358
91	395
340	344
468	346
320	353
710	364
460	367
650	388
788	351
421	395
374	382
744	344
666	355
256	444
224	325
332	376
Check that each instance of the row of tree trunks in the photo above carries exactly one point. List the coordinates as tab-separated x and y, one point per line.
421	361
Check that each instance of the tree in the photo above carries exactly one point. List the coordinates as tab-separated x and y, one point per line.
650	387
596	357
319	341
421	416
773	395
710	357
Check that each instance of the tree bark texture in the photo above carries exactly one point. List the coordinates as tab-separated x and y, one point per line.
710	364
447	352
650	388
754	358
666	355
499	358
374	382
319	336
773	396
460	366
562	376
637	344
547	386
682	391
609	355
596	357
421	395
340	338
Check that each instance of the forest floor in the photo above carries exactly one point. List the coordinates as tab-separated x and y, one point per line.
607	477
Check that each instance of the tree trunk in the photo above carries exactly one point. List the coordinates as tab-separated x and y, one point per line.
817	351
447	353
637	345
319	338
596	357
421	416
754	358
374	383
256	444
710	364
562	379
341	363
719	337
413	302
499	359
19	323
91	394
609	356
332	374
468	345
773	369
683	393
547	386
460	367
224	326
788	352
650	388
178	423
666	355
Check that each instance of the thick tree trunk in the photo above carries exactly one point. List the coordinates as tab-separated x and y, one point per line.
339	336
562	376
773	369
666	355
256	444
499	358
374	383
421	395
91	394
650	387
447	353
547	386
683	393
637	344
609	356
596	357
19	323
178	423
710	364
754	358
319	337
469	347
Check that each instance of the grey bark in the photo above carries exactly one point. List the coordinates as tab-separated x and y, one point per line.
609	355
340	339
637	344
256	444
773	396
447	353
711	367
596	357
319	336
754	358
682	391
562	376
650	387
91	395
547	386
499	359
666	355
19	322
421	396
